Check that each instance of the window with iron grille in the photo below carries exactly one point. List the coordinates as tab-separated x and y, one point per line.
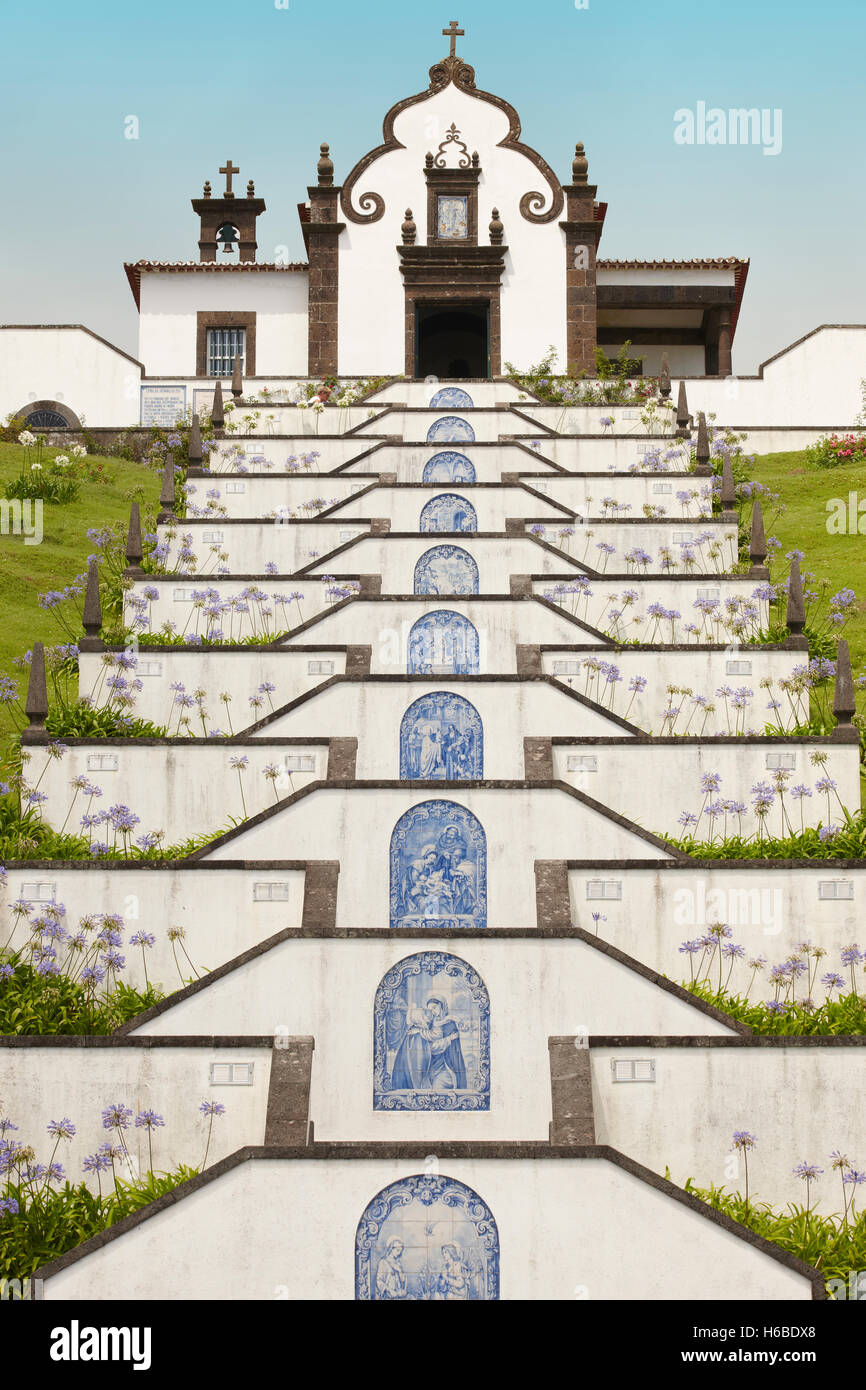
223	346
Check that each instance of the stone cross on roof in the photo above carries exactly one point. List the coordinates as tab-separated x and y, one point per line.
453	33
229	169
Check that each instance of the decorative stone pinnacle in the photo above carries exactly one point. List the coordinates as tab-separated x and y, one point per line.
91	617
496	229
665	377
409	229
325	167
702	448
844	702
217	414
195	449
729	495
795	612
580	164
36	704
683	416
166	496
134	549
237	380
206	192
758	543
251	189
428	159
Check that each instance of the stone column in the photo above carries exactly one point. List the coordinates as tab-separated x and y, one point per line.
323	233
582	235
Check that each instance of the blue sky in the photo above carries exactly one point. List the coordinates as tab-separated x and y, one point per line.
265	85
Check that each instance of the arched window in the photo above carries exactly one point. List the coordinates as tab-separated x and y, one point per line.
452	398
424	1238
431	1036
441	739
451	429
448	512
443	643
438	868
48	415
448	467
446	569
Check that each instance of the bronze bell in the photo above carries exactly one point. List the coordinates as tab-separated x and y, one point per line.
226	237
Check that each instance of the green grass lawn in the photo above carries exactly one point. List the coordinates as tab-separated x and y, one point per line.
29	570
841	560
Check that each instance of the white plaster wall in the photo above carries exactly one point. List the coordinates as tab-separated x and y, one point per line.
702	672
282	1228
418	394
395	558
622	451
492	505
800	1103
222	913
501	624
771	910
677	594
371	313
653	783
238	672
355	827
248	547
413	425
170	303
537	989
43	1083
489	460
277	612
587	494
814	382
245	452
67	364
184	788
372	713
264	494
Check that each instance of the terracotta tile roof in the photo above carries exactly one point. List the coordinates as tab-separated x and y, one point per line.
734	263
134	269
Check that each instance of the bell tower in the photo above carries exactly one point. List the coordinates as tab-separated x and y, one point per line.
229	221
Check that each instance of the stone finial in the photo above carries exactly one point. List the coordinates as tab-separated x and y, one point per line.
206	191
36	704
409	230
428	159
497	230
237	379
729	494
217	413
476	160
702	447
683	416
251	189
844	701
325	167
795	612
195	449
91	617
580	164
166	496
758	543
665	377
134	549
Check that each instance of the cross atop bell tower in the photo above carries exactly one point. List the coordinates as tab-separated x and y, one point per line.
452	33
228	222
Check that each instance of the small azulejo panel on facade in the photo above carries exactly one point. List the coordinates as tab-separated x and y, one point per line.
446	569
451	429
427	1238
438	868
441	739
448	512
443	643
448	466
431	1036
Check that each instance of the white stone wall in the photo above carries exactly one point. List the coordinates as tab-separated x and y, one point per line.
222	914
171	302
285	1229
96	380
43	1083
654	783
771	908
